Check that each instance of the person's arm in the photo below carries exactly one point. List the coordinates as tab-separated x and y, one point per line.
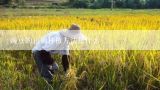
65	62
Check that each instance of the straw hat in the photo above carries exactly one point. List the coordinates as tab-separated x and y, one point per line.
73	32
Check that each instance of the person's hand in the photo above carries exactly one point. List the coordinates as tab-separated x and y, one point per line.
53	68
66	74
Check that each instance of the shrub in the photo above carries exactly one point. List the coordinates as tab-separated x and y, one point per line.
80	4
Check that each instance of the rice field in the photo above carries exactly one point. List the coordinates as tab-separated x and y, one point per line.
91	69
98	22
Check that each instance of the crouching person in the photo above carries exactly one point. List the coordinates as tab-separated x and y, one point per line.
55	43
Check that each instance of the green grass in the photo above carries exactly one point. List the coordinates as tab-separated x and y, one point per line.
44	12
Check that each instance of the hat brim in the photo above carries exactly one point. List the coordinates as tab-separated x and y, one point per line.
71	34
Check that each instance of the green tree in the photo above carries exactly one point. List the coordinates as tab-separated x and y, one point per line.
80	3
153	3
120	3
6	1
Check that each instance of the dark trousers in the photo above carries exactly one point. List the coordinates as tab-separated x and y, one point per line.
43	59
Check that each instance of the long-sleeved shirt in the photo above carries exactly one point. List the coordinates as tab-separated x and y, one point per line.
53	42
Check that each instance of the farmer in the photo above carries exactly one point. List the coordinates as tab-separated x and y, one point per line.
55	43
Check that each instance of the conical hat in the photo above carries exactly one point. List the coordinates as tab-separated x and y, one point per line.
73	32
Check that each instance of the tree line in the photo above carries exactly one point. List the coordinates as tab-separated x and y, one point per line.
135	4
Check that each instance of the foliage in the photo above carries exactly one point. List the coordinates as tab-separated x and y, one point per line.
153	4
118	3
134	4
80	4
